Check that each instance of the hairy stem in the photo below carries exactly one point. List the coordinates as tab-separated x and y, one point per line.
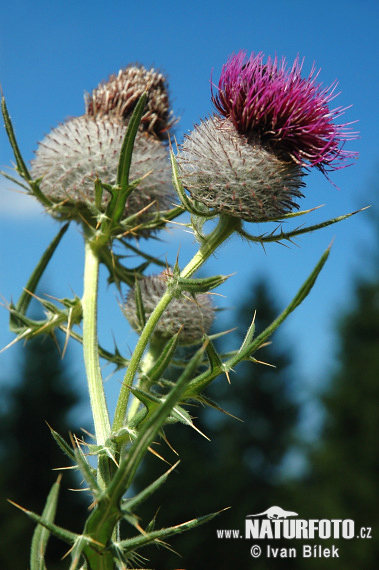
91	352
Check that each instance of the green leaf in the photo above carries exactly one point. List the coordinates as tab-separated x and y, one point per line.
213	356
65	447
179	414
128	505
122	189
136	542
14	180
21	166
65	535
115	357
25	297
116	205
98	193
156	371
288	236
140	309
299	297
128	143
249	335
101	522
41	534
86	470
76	553
198	384
201	285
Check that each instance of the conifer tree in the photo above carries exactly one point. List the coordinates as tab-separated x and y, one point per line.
343	468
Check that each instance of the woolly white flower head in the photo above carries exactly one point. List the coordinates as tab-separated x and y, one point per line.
236	175
73	154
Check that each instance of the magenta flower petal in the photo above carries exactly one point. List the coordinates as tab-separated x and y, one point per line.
290	114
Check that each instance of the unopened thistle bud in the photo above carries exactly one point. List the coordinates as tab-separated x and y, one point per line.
192	314
249	161
74	154
118	96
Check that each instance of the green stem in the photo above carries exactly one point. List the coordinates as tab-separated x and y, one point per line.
225	227
91	350
150	358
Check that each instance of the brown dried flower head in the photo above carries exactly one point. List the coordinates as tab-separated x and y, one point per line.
117	98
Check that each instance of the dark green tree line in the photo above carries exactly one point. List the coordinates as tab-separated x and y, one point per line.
342	480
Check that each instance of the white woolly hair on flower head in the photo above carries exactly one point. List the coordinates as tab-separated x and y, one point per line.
193	316
74	154
236	175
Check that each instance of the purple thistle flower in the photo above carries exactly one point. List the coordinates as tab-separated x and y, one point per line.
289	114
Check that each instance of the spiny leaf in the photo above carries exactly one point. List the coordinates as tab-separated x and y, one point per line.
21	166
288	236
156	371
102	520
128	144
25	298
181	415
249	334
200	382
14	180
87	471
41	534
131	544
299	297
58	531
208	402
116	358
65	447
213	356
128	505
201	285
140	309
76	552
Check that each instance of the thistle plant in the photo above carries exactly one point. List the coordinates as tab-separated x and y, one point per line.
111	171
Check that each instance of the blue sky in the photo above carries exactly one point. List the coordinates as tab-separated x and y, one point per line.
52	52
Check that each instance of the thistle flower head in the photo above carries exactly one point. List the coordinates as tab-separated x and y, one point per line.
193	315
288	113
75	153
117	97
234	174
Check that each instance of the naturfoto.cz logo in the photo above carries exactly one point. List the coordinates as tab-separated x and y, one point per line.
277	523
